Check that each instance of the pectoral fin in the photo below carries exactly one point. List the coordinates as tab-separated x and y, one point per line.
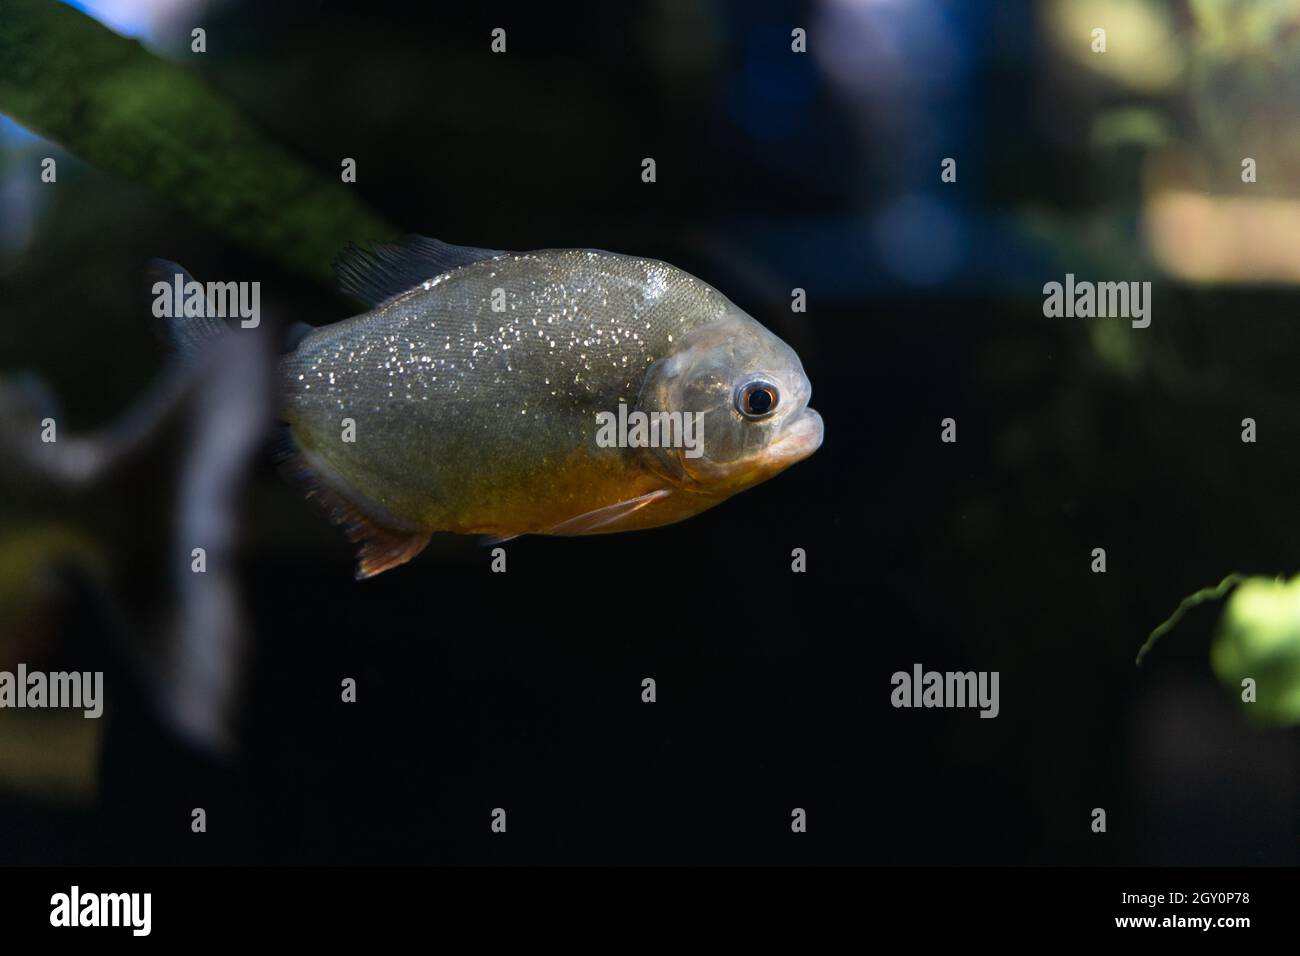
608	518
601	520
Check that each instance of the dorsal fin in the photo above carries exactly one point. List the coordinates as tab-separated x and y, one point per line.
388	269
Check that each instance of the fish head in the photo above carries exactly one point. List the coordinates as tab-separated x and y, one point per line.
746	391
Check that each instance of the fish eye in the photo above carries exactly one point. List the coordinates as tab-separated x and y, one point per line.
757	399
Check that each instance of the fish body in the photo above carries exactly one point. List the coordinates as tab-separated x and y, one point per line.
468	400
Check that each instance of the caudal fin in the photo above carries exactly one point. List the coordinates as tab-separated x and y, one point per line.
181	310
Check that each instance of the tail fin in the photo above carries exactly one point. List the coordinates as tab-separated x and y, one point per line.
185	332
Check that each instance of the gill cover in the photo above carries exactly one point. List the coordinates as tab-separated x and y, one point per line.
747	384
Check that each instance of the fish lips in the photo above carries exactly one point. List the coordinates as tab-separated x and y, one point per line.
801	437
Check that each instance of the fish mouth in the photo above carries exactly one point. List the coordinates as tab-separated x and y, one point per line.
800	438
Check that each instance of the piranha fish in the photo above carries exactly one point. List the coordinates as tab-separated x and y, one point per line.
468	398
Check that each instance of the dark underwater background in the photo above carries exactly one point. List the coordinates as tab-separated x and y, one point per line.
775	170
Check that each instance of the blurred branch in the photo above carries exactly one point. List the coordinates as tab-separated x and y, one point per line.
204	680
1192	600
81	461
225	401
124	110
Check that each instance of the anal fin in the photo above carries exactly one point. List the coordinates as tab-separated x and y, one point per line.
380	549
380	546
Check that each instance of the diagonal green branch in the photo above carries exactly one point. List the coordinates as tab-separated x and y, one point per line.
1189	602
124	110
